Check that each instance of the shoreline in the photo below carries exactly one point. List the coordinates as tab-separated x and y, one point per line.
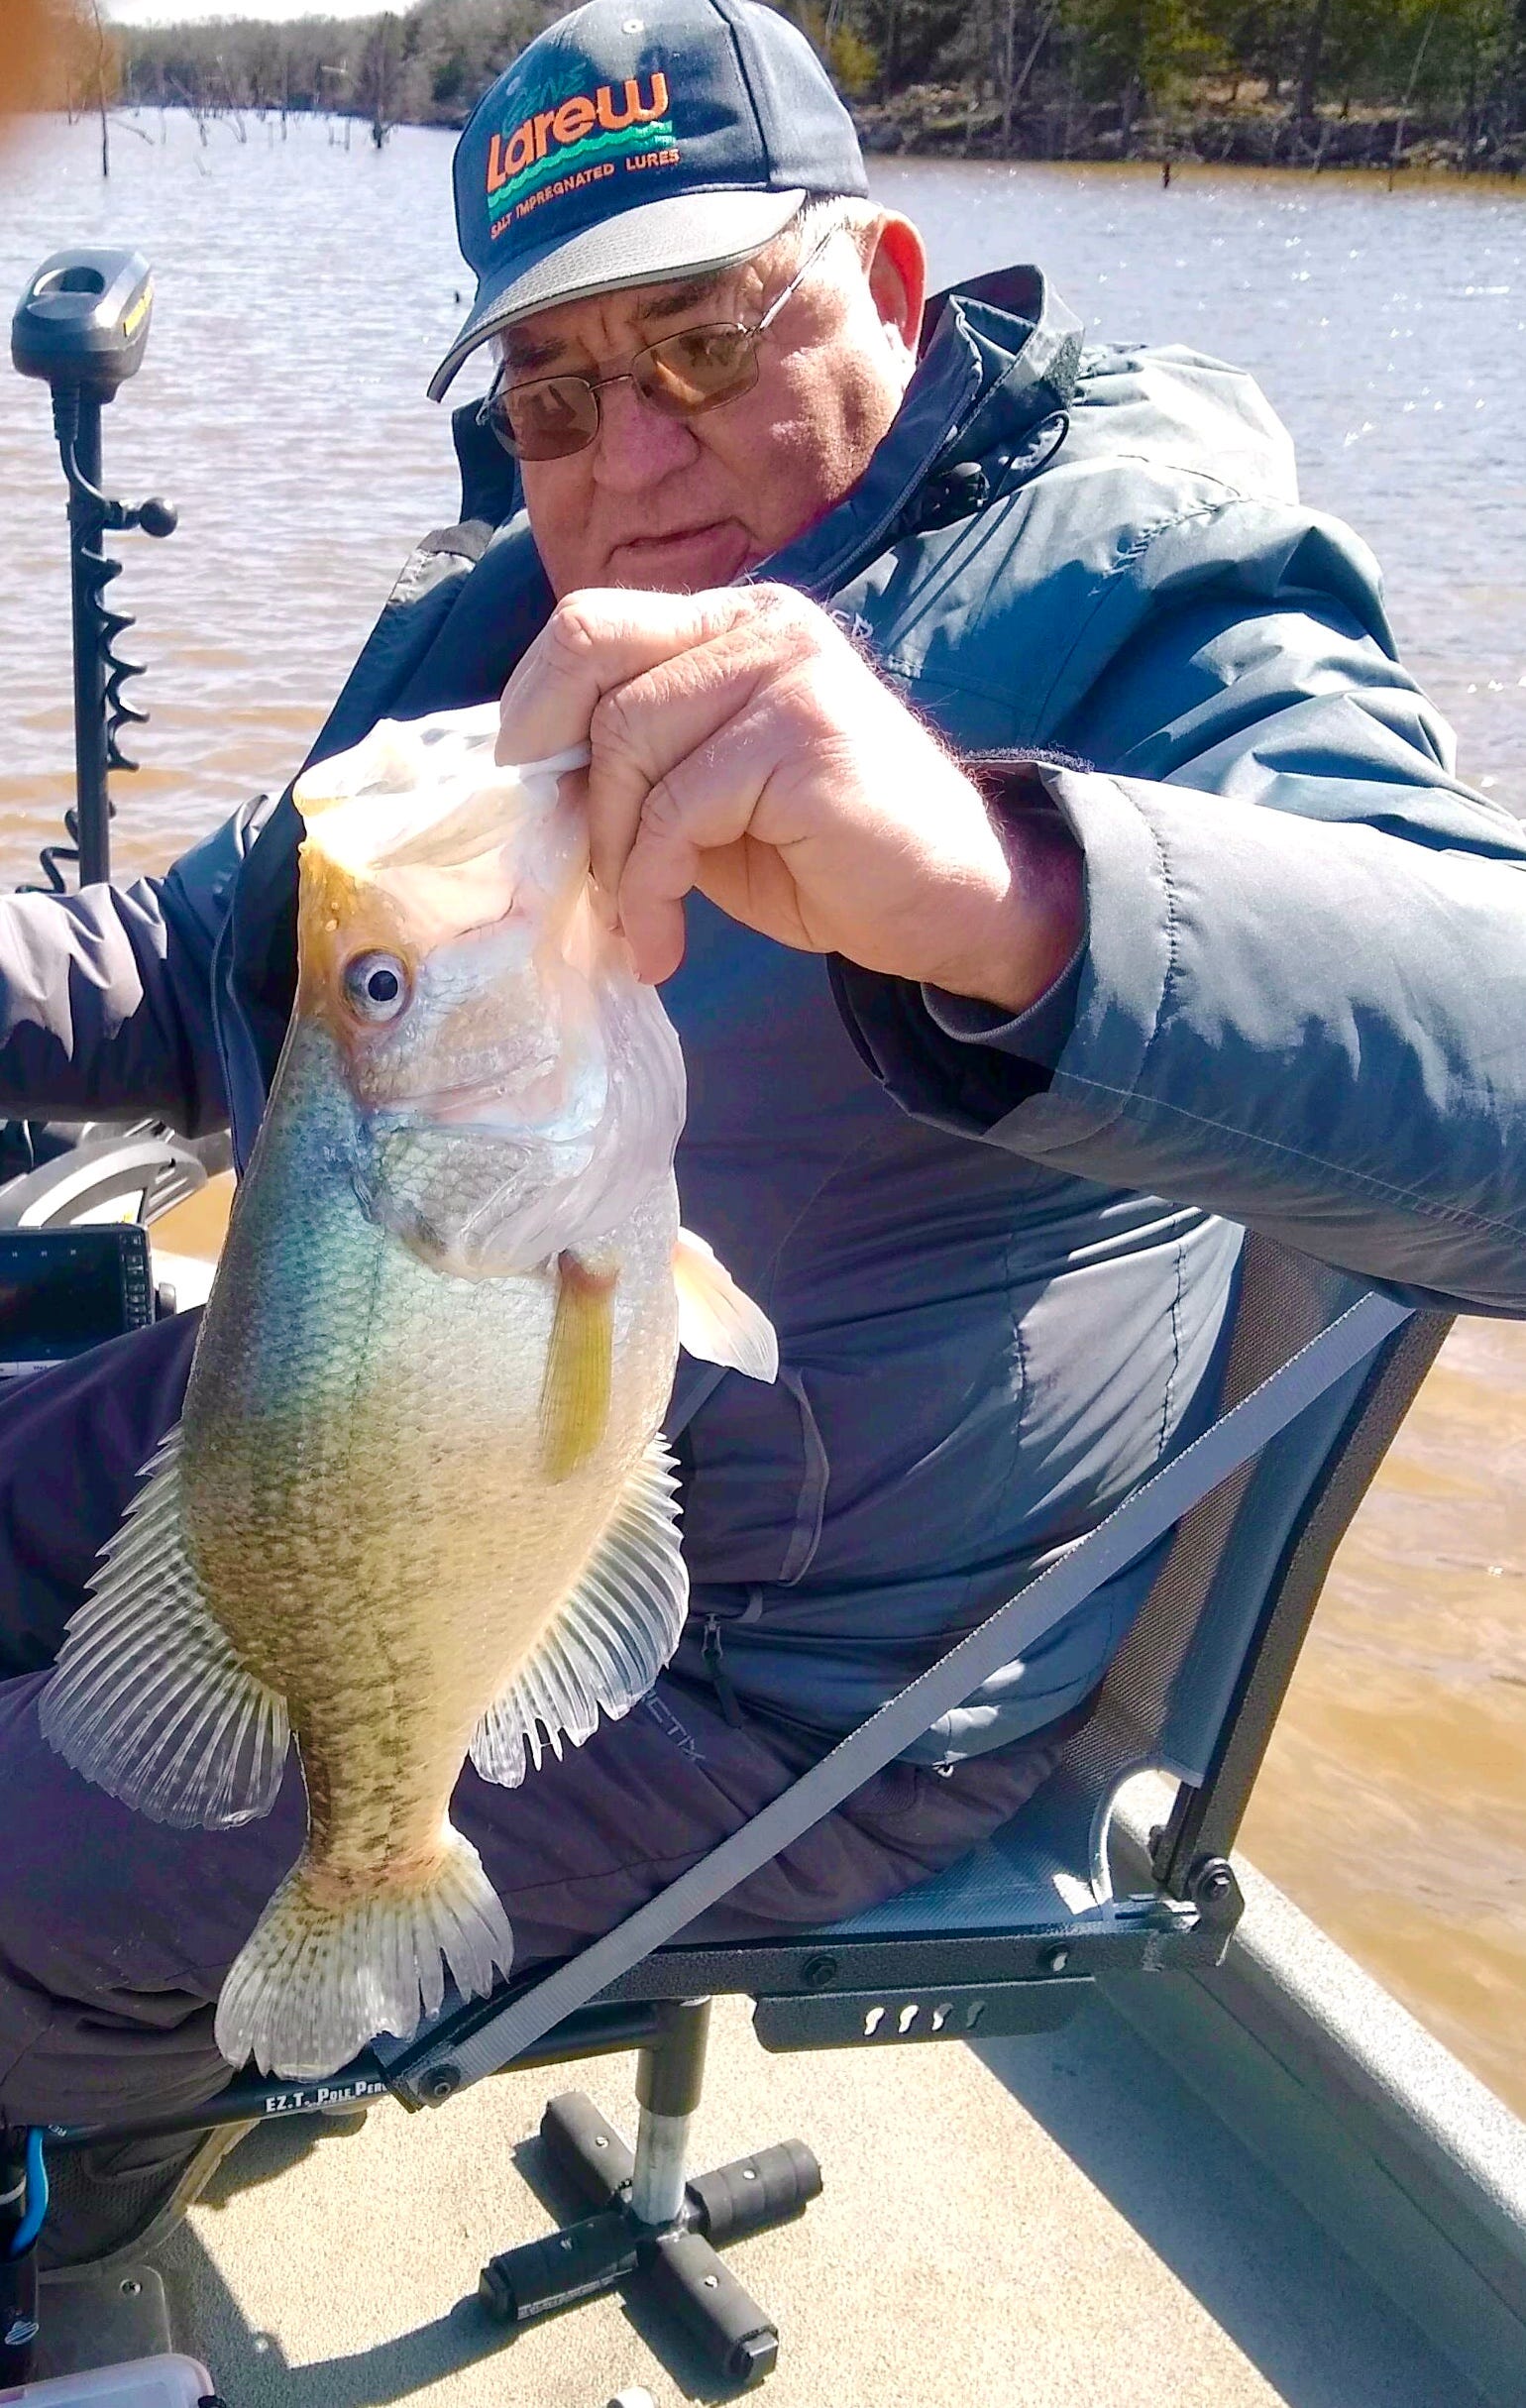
930	122
1163	146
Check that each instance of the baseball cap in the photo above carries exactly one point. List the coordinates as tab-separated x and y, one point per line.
636	141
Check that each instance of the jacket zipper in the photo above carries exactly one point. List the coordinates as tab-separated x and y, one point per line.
713	1657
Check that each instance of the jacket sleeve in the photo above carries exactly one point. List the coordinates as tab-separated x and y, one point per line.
106	996
1301	1002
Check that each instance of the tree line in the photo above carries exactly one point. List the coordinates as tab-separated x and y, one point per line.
1323	82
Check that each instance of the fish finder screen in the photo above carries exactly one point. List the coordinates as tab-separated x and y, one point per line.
64	1290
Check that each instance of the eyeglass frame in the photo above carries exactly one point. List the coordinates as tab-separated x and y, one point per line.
626	375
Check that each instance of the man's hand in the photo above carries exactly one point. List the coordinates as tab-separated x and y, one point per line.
740	745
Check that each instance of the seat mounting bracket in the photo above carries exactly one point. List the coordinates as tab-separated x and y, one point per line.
650	2223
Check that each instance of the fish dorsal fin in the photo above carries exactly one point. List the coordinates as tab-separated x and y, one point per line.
148	1699
608	1639
716	1320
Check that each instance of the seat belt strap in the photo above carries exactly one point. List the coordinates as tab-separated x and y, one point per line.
1143	1516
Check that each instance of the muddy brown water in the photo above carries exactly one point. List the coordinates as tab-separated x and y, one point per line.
305	290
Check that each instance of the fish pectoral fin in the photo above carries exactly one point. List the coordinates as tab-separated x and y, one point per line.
716	1320
607	1640
148	1699
579	1362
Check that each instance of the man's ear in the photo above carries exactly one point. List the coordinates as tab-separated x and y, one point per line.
898	280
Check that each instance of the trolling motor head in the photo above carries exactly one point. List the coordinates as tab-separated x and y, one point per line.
81	327
83	319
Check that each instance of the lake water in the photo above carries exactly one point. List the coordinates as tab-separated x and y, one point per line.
306	291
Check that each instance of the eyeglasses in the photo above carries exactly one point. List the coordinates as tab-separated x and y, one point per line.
683	376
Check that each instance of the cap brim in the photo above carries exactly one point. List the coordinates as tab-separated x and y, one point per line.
685	233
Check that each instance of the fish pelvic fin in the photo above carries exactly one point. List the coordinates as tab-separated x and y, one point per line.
579	1368
608	1639
148	1699
315	1981
716	1320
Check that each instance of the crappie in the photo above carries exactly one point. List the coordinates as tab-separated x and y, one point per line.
417	1506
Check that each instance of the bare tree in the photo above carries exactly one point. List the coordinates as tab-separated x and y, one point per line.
1306	99
100	87
1408	100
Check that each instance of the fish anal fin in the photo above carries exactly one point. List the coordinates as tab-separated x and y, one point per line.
716	1320
148	1699
608	1639
575	1391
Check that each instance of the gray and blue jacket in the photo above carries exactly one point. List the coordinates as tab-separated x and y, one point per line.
998	1254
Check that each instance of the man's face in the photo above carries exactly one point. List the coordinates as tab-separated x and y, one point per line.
681	505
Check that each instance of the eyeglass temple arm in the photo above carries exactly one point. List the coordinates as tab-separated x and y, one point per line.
796	280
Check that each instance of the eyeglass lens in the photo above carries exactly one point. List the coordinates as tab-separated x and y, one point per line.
683	376
547	418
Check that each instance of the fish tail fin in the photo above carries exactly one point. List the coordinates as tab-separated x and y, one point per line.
315	1981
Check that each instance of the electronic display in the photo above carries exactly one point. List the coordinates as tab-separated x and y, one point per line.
62	1291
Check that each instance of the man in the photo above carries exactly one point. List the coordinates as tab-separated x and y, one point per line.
817	583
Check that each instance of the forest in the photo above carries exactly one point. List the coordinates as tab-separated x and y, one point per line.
1394	84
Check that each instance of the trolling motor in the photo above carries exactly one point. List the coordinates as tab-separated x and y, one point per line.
82	327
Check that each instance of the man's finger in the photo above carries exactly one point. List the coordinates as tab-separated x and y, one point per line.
704	805
594	642
643	730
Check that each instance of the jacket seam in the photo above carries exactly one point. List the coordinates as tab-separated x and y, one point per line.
1124	565
1484	1224
1227	488
895	664
1128	1095
1168	1393
866	1144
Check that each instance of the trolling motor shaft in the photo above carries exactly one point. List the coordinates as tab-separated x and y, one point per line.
82	326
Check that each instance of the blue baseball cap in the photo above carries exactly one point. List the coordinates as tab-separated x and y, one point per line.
636	141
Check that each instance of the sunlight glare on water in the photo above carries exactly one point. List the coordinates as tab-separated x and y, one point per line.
307	291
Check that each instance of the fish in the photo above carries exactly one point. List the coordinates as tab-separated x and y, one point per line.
418	1506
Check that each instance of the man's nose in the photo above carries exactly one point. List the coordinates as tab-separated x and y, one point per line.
637	446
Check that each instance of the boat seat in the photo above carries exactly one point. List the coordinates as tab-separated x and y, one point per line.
1011	1939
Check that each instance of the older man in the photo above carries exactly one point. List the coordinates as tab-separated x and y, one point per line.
988	1062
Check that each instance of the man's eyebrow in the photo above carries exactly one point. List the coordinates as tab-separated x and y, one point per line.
673	300
524	357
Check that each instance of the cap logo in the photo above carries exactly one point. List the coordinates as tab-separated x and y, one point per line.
560	149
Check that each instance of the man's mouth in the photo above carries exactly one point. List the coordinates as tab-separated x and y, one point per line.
715	550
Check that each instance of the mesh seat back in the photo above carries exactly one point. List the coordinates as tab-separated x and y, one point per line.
1173	1681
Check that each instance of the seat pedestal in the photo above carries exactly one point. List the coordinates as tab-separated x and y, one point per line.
652	2223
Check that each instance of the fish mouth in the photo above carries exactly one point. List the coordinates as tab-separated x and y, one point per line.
533	1108
455	1108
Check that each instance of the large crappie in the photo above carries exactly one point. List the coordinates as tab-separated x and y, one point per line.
417	1506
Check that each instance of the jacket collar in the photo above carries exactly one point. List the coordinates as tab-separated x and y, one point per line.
1000	355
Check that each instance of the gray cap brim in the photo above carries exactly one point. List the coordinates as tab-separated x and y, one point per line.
686	233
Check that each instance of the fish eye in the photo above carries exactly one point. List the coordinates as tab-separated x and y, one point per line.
376	986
